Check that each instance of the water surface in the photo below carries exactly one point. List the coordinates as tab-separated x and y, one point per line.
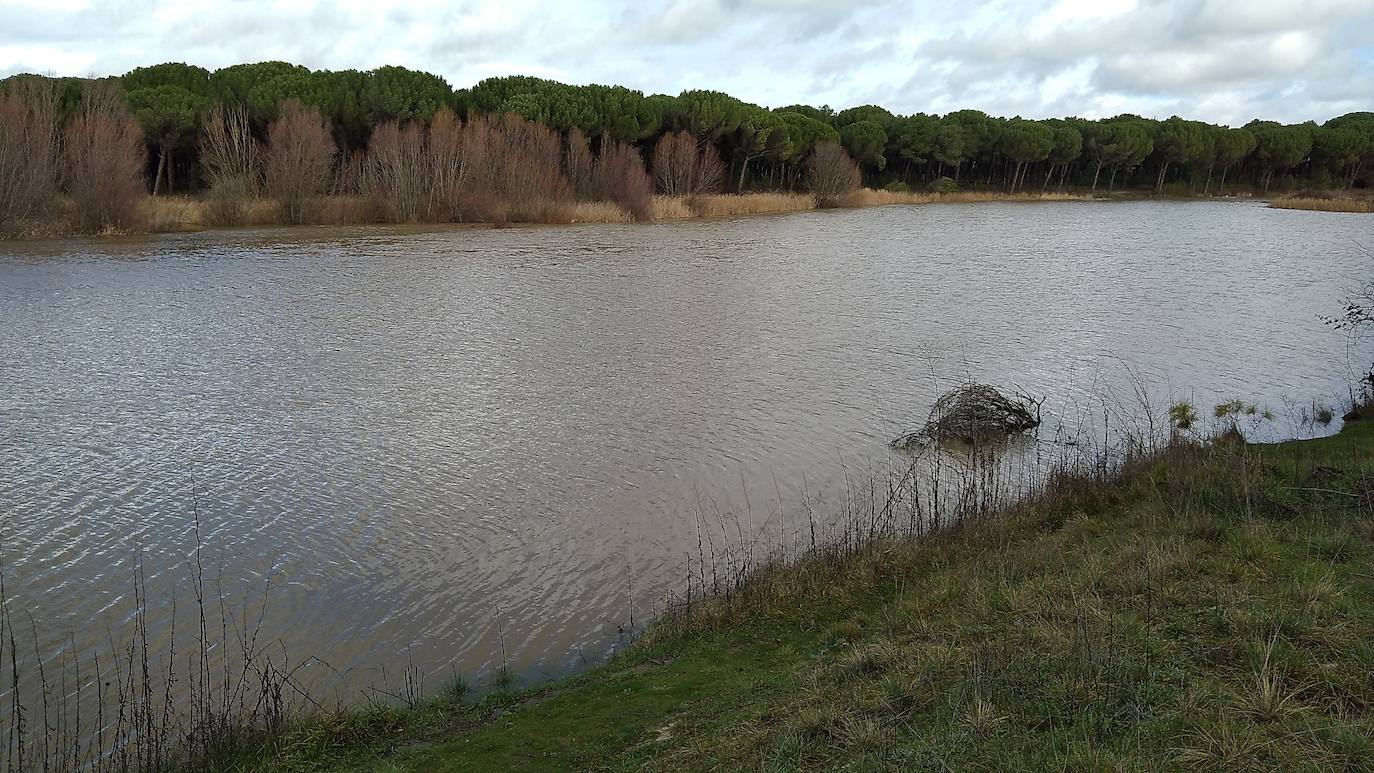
418	443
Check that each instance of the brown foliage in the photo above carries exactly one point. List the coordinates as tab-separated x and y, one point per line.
28	150
831	174
105	160
399	171
578	162
618	175
298	159
683	168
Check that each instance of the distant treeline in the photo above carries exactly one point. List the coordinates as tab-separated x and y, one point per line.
366	132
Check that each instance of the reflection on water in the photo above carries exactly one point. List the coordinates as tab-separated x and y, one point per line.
403	436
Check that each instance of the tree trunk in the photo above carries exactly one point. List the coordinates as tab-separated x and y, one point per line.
1096	173
1207	188
161	165
1221	186
171	165
1048	175
1163	168
1111	183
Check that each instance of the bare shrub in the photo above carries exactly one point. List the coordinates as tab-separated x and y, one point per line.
230	157
710	172
448	166
683	167
504	169
530	173
298	159
28	150
578	164
675	160
398	171
349	175
831	174
105	161
618	175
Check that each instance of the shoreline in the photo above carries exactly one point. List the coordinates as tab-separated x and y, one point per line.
189	214
984	626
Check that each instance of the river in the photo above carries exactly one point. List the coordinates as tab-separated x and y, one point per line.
436	446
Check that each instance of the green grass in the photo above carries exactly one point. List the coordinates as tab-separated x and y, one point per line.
1213	609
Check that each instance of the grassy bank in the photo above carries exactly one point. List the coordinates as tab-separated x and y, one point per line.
1210	608
1325	203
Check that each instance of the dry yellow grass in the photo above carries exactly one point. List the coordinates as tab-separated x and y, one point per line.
1324	205
671	208
728	205
172	213
189	213
869	197
599	212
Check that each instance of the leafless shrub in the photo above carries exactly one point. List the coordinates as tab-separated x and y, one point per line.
298	159
578	163
618	175
105	161
230	157
682	167
399	171
28	150
831	174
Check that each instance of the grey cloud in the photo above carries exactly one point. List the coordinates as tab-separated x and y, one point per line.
1223	60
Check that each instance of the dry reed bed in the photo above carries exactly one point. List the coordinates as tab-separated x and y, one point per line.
869	197
1315	204
172	214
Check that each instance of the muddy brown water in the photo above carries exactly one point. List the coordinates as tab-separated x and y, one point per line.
426	442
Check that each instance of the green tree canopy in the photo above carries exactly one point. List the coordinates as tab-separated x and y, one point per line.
865	141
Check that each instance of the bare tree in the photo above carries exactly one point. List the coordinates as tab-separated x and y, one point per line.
684	167
619	176
709	174
578	163
831	174
28	150
231	159
399	171
675	161
105	161
298	159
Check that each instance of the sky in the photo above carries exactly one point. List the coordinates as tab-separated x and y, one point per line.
1225	61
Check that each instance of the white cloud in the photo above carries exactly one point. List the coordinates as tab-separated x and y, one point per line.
1219	60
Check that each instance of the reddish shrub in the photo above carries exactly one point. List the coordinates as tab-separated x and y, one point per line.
682	167
28	150
618	175
399	171
105	160
298	159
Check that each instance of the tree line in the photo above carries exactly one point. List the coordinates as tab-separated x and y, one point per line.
405	135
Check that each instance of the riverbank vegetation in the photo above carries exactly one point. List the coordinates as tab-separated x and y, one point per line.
80	154
1204	607
1325	203
1199	603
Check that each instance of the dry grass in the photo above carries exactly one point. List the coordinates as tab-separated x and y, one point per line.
869	197
600	212
672	208
172	213
734	205
1334	204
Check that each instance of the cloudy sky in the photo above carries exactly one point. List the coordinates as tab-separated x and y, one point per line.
1218	60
